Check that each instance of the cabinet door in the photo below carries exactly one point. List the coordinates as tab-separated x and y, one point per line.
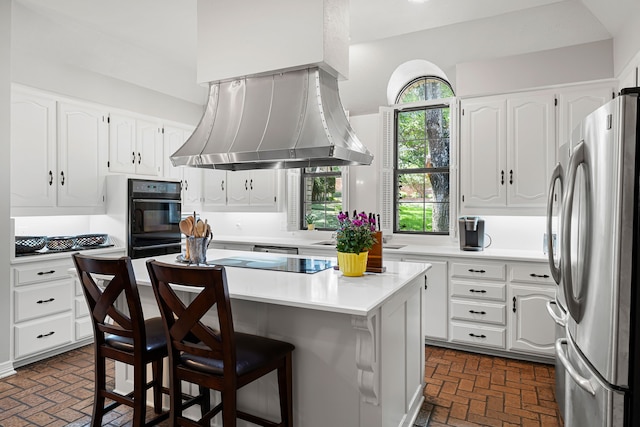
148	148
482	152
173	139
238	189
531	150
576	103
191	189
435	300
215	188
531	329
122	144
82	146
33	150
262	187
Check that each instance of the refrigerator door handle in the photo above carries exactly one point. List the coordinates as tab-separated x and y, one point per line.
556	176
582	382
573	304
559	319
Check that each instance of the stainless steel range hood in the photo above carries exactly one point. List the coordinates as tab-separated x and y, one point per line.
284	120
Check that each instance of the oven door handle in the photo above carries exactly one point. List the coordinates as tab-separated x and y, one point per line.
156	200
166	245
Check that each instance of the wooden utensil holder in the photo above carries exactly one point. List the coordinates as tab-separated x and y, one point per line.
374	259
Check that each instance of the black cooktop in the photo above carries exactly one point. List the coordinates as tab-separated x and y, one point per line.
292	265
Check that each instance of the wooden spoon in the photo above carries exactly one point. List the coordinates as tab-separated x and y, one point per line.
200	228
185	227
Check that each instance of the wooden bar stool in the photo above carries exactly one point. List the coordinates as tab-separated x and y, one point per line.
222	360
126	338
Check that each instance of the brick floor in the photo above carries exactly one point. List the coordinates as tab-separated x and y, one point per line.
462	389
467	389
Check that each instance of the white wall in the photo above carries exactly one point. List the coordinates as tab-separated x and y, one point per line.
371	64
364	181
5	233
82	63
584	62
626	44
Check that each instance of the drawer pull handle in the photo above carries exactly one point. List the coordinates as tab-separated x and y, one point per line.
477	336
477	312
543	276
42	273
46	335
46	300
471	270
481	291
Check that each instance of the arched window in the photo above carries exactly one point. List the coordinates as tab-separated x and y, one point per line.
422	151
424	89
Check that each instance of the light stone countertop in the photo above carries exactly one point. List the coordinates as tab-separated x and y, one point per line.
407	249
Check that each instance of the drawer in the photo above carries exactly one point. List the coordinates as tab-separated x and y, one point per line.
41	272
36	301
478	312
531	273
478	335
41	335
82	309
84	328
478	271
479	290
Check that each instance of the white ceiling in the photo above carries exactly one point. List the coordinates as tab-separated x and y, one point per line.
168	27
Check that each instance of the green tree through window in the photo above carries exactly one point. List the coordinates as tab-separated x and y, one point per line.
422	159
322	196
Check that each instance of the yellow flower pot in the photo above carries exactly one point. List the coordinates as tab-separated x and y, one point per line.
352	265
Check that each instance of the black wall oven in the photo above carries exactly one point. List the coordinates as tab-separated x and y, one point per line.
153	218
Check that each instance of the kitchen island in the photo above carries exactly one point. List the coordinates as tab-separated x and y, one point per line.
359	357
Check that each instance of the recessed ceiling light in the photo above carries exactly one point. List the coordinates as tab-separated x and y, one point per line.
418	1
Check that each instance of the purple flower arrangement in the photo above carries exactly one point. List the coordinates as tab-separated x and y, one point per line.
357	234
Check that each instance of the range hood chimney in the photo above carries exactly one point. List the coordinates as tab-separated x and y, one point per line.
287	117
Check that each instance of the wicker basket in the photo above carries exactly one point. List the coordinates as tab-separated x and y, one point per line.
60	243
28	244
91	240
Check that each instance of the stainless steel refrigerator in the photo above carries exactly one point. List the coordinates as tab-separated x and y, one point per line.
594	201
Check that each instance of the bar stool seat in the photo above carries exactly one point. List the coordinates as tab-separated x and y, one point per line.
156	340
252	352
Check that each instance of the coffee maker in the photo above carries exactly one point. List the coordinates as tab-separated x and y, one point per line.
471	233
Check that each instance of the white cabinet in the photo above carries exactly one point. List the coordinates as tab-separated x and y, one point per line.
58	155
435	299
33	150
190	178
82	143
575	103
531	329
251	188
135	145
42	308
507	150
215	188
477	304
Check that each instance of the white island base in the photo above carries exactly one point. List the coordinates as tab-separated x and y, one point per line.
359	357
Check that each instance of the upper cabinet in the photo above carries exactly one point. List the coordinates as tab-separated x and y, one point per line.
508	146
576	103
190	178
252	188
58	155
135	145
507	150
34	173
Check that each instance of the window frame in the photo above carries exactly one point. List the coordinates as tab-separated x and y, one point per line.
421	106
338	174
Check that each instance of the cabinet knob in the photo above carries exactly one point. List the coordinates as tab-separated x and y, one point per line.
62	175
133	157
139	158
511	177
50	178
514	304
222	185
501	177
246	184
